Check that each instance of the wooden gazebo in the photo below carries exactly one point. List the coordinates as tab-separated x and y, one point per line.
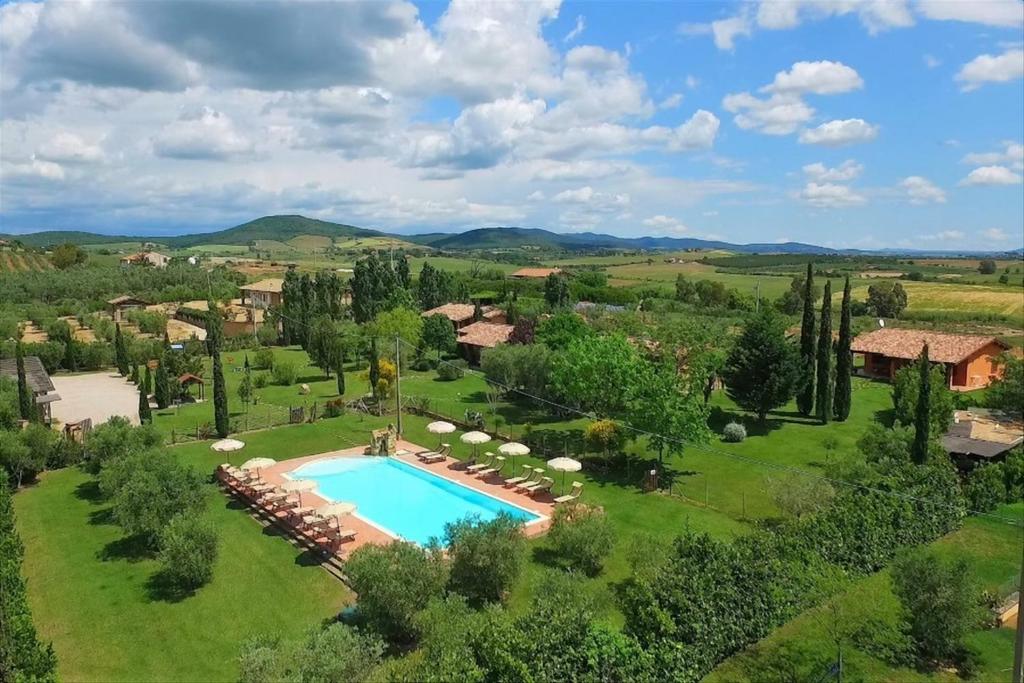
188	379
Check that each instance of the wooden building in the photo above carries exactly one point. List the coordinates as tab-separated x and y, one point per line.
37	379
971	361
475	337
119	305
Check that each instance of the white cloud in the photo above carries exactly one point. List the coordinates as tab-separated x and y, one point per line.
931	61
990	12
535	196
1011	155
776	115
725	31
820	78
202	134
943	236
665	225
991	175
922	191
698	132
848	170
830	196
35	168
65	147
1008	66
671	102
577	30
995	234
839	133
577	170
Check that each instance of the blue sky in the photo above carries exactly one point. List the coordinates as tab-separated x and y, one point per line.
852	124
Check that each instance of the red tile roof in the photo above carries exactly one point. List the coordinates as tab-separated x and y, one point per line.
535	272
903	343
486	335
454	312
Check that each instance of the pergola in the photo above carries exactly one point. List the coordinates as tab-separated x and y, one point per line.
188	379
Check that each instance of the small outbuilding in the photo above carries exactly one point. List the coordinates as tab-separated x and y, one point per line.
37	379
981	434
476	337
120	305
189	380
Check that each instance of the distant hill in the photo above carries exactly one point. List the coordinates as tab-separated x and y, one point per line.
50	237
279	228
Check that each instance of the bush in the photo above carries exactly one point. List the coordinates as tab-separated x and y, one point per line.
264	359
260	380
452	370
486	557
423	364
188	550
116	439
284	373
394	582
334	408
582	537
335	653
734	432
985	488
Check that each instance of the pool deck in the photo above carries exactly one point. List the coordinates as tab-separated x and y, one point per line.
450	469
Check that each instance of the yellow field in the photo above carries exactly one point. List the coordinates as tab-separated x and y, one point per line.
310	243
627	259
934	296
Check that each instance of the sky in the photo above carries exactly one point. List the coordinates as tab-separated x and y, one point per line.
846	123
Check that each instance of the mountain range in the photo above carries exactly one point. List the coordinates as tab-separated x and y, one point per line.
284	228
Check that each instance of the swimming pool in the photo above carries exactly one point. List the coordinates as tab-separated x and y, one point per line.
401	498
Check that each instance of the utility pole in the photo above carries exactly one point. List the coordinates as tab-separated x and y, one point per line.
1018	649
398	382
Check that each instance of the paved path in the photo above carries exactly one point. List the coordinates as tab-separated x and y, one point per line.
97	395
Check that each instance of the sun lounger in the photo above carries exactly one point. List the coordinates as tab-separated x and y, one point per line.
527	473
495	467
544	485
576	492
530	483
429	457
482	465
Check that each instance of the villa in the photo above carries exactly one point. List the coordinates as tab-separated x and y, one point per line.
263	294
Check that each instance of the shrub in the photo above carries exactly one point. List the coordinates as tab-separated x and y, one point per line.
452	370
985	488
486	557
423	364
394	582
335	653
116	439
582	537
188	550
264	359
734	432
284	373
334	408
260	380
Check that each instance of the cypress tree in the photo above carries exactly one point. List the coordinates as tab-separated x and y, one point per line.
339	368
374	367
162	390
805	396
922	416
147	381
220	392
823	402
134	376
120	351
844	361
145	414
25	402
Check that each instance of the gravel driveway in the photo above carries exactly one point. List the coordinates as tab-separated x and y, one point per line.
98	395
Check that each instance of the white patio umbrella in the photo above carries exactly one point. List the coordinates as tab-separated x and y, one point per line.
564	465
475	438
258	464
440	428
512	449
298	486
225	445
335	510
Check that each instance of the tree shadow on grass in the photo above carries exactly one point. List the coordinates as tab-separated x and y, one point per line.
160	587
308	558
128	548
89	491
720	417
541	554
886	416
102	517
312	379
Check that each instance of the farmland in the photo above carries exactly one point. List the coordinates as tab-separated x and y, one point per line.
23	261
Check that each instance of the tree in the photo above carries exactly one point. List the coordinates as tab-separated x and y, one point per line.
887	300
561	329
658	405
134	376
220	392
323	340
792	301
400	322
805	392
486	558
763	370
162	388
922	412
337	652
246	389
798	495
906	390
582	537
373	373
16	459
685	289
439	334
987	267
394	582
844	361
583	374
26	405
120	351
940	601
823	402
145	414
1007	393
435	287
188	550
147	381
556	291
66	255
523	331
339	367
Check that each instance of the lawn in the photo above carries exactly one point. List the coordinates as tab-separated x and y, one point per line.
993	550
94	595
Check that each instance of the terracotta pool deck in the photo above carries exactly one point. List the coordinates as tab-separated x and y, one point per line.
450	469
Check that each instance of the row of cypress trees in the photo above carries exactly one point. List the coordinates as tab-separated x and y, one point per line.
825	394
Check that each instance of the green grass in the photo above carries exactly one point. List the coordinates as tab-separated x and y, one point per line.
93	595
993	550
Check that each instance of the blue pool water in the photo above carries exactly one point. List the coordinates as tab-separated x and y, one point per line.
403	499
